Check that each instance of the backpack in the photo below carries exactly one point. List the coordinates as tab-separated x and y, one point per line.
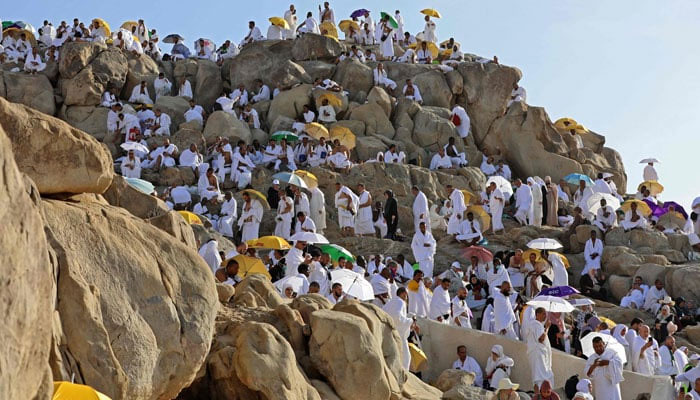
570	386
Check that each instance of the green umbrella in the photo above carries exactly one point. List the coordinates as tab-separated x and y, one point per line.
6	24
279	135
392	21
335	252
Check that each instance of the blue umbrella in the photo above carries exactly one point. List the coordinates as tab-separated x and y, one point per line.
359	13
141	185
558	291
575	178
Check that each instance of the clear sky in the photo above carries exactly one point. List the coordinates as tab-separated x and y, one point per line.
627	69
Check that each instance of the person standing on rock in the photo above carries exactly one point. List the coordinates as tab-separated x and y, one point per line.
496	204
162	86
504	317
458	207
291	17
535	216
650	173
210	253
251	215
326	14
552	203
593	252
386	39
347	208
421	212
523	202
396	308
539	350
582	194
317	209
424	247
430	30
285	213
391	214
364	225
604	368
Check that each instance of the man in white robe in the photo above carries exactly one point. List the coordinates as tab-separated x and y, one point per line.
605	218
504	317
131	166
653	296
161	124
461	314
253	35
539	350
210	253
604	369
191	158
309	25
424	247
535	216
593	252
440	303
634	298
140	94
411	91
242	167
304	224
644	353
496	203
668	365
347	208
381	78
523	202
582	194
496	274
430	30
251	216
317	207
396	308
518	94
458	207
418	300
421	212
458	158
633	219
460	119
228	215
650	173
468	364
33	62
285	213
469	231
440	160
185	88
162	86
364	225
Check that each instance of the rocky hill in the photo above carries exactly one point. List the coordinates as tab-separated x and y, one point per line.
104	283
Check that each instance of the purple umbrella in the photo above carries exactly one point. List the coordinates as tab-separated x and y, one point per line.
558	291
359	13
654	207
666	208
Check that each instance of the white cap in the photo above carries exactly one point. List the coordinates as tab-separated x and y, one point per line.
456	265
276	182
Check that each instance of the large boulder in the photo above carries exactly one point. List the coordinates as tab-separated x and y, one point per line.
85	88
382	98
289	103
175	107
450	378
58	157
376	121
257	291
208	84
136	306
140	68
175	225
34	91
431	131
434	89
267	62
355	77
121	194
346	352
223	124
27	291
77	55
89	119
311	46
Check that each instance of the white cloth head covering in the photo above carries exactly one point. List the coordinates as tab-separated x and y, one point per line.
582	386
456	264
582	395
616	334
498	350
380	285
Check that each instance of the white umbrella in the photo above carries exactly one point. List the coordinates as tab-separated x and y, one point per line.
610	343
309	237
593	203
353	283
297	282
135	146
696	204
551	304
544	244
649	160
581	302
503	184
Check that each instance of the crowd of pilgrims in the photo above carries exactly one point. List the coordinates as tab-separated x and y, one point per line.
487	292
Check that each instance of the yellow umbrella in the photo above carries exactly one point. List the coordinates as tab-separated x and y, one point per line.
250	265
128	25
333	100
611	323
418	358
563	259
269	242
104	25
653	186
481	214
15	32
432	47
642	207
538	253
344	136
346	24
73	391
278	21
565	123
260	196
468	196
577	129
330	29
431	11
190	217
310	179
446	42
316	130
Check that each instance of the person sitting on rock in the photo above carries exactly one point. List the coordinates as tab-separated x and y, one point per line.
503	170
440	160
320	153
250	117
518	94
356	53
381	77
185	88
108	98
469	231
239	96
261	92
408	57
253	35
242	166
487	166
411	91
458	158
468	364
229	273
131	166
194	113
162	86
633	219
191	158
326	113
605	218
369	56
339	160
140	94
424	55
179	51
634	298
367	35
455	58
392	156
302	152
310	25
653	296
33	62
